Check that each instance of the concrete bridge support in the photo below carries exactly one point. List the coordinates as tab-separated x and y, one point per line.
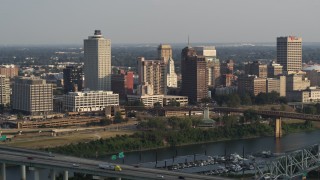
23	172
65	175
3	172
118	178
52	174
278	128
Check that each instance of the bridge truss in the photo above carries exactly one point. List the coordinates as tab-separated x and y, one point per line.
290	165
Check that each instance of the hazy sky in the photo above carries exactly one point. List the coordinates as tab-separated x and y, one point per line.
157	21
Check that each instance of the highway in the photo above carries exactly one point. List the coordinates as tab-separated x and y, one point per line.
38	159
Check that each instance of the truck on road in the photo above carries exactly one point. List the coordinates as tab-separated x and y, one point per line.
110	167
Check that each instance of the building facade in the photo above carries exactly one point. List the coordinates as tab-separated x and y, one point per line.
274	70
289	53
213	64
194	75
89	101
164	52
172	78
153	72
9	71
5	90
73	79
32	96
256	68
252	84
297	82
97	62
122	83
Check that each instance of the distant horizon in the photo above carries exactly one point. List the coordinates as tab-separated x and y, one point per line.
156	44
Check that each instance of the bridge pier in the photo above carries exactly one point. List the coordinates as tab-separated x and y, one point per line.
118	178
23	172
278	128
3	171
65	175
52	174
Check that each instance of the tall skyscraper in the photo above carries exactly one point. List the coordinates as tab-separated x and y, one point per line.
32	96
73	78
171	74
289	53
97	62
4	90
164	52
194	74
153	72
210	54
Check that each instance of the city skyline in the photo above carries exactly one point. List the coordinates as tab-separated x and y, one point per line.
155	21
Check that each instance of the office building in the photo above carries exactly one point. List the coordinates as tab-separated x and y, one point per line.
289	53
9	71
32	96
73	79
256	68
274	70
97	62
251	84
194	74
4	90
227	67
122	83
90	101
171	74
226	80
310	95
164	52
277	85
297	82
213	64
153	72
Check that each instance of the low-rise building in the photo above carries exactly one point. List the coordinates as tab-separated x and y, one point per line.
306	96
90	101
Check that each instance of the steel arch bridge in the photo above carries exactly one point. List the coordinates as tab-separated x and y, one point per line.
290	165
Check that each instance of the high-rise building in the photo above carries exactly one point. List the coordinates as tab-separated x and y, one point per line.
227	67
210	54
9	71
274	69
164	52
226	80
97	62
153	72
289	53
32	96
73	79
4	90
122	83
297	82
171	74
256	68
194	73
252	84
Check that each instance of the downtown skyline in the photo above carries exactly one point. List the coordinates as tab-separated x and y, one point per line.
154	21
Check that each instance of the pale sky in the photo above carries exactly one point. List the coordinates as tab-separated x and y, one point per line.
157	21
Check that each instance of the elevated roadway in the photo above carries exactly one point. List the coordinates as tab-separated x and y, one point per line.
44	160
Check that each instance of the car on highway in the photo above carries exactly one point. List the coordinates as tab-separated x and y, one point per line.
75	165
30	158
110	167
160	176
181	177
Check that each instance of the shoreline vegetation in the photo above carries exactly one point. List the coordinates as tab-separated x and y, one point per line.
173	132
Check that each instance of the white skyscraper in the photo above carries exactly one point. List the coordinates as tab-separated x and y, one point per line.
171	74
97	62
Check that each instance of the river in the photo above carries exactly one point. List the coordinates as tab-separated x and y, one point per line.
286	143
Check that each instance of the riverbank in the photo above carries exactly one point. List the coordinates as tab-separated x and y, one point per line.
148	140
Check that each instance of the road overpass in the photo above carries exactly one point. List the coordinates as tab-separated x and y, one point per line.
55	162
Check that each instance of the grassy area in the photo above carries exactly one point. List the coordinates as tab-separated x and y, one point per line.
36	142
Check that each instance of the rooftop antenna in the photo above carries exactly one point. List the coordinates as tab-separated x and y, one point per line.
188	40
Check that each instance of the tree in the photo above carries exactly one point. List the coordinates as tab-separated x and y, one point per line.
118	117
157	104
246	99
19	116
174	103
310	109
233	100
